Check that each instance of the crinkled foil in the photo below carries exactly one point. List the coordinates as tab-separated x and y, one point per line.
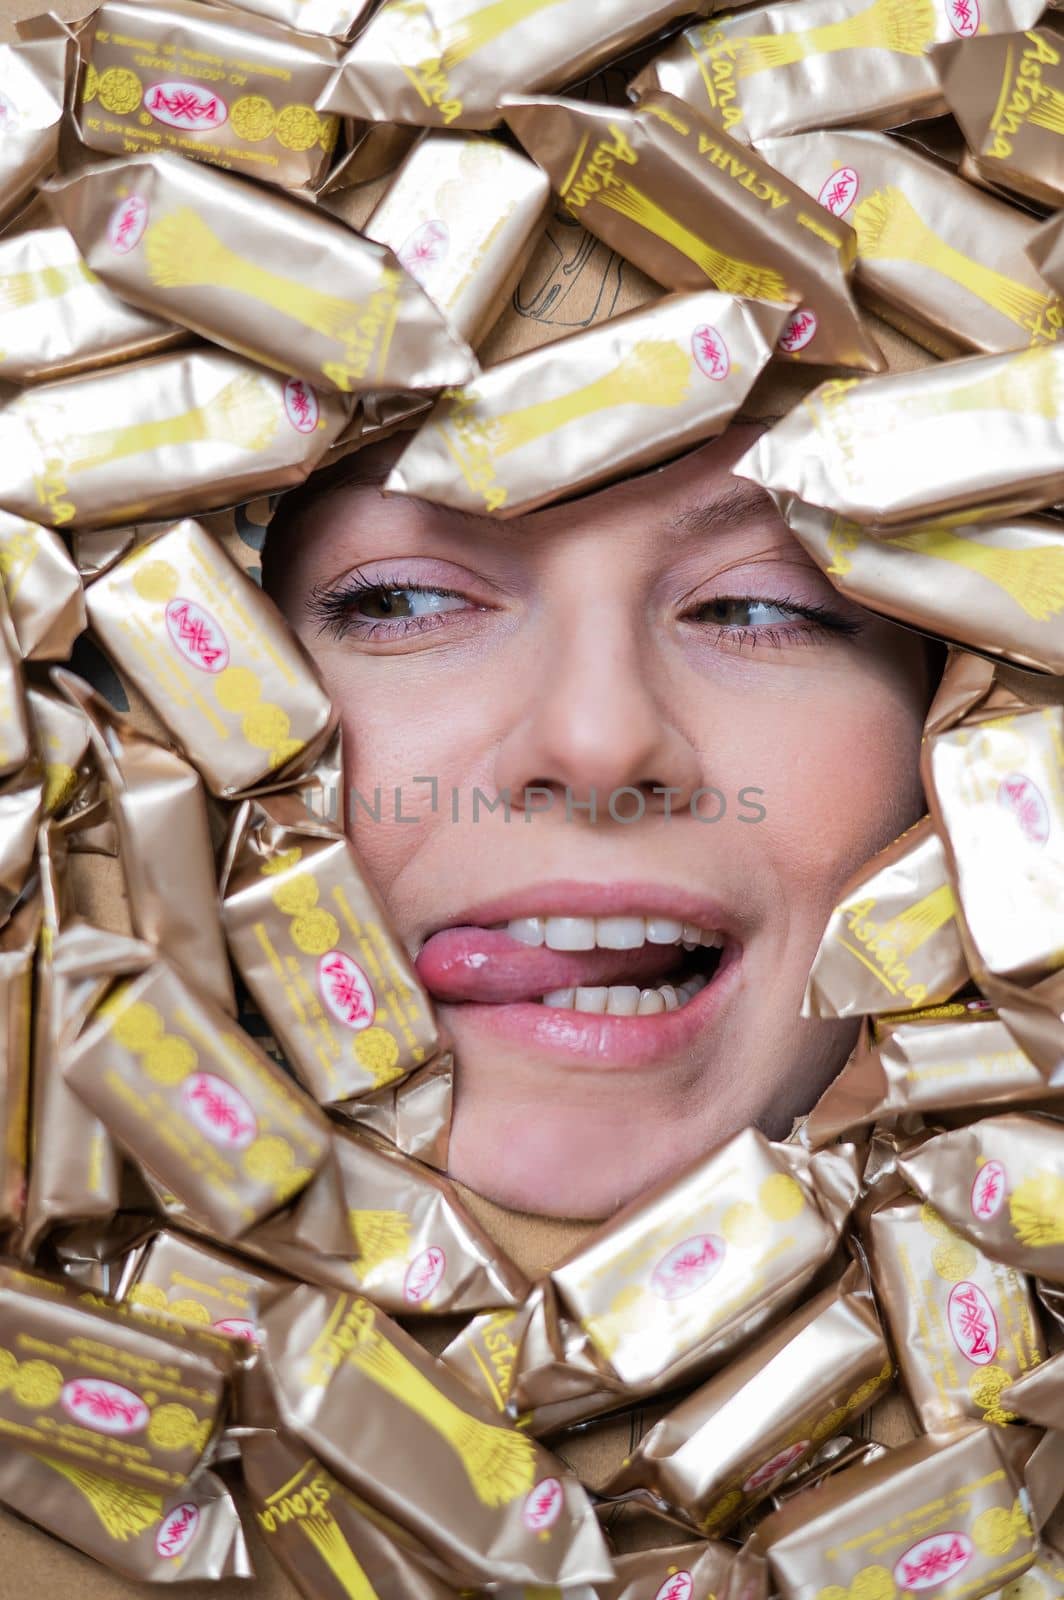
823	63
691	208
15	742
17	944
33	88
209	85
946	265
414	1115
44	592
592	407
679	1572
335	18
211	654
262	274
1039	1396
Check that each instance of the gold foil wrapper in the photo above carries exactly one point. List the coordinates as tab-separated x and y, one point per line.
982	435
18	941
262	274
63	738
1039	1396
1007	94
823	63
414	1114
15	741
447	62
463	215
334	18
33	86
210	85
680	1572
363	1396
1045	248
1000	1183
601	404
214	658
311	939
692	209
950	1512
964	1327
192	1098
680	1278
892	940
145	1400
43	589
21	806
730	1444
947	266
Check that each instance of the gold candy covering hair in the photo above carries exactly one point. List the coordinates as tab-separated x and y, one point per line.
947	266
33	91
652	382
17	943
179	75
823	63
15	739
262	274
1007	94
691	208
44	592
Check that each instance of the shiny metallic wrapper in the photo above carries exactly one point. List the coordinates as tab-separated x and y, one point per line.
204	83
146	1534
337	19
1045	248
592	407
64	740
448	62
192	1098
365	1398
311	939
44	592
15	741
892	940
213	657
33	87
684	1571
1007	93
146	1397
964	1326
21	810
726	1447
1000	1183
17	944
982	435
1039	1397
463	214
946	265
414	1114
951	1511
693	209
823	63
262	274
682	1277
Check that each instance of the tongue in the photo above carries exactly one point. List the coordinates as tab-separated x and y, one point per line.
486	965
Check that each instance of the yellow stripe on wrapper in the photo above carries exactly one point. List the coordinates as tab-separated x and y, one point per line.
1034	579
904	26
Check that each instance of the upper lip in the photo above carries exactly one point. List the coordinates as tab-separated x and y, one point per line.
571	898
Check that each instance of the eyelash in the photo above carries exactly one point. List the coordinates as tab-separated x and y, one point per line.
334	612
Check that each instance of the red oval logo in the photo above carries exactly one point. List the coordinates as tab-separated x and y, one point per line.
301	405
425	248
964	17
103	1406
840	191
777	1467
688	1266
1018	794
218	1111
988	1191
972	1323
681	1586
178	1531
423	1275
346	990
237	1328
798	331
543	1505
711	353
189	106
196	635
933	1561
127	223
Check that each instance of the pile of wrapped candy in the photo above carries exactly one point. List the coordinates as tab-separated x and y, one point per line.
228	1236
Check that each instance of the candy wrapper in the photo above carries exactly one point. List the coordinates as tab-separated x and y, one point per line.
600	404
1000	1183
1007	94
335	18
33	86
17	943
211	654
414	1114
15	745
947	266
463	214
434	62
639	179
207	85
44	593
261	274
1039	1396
679	1572
727	1447
964	1327
950	1512
368	1401
312	942
190	1096
823	63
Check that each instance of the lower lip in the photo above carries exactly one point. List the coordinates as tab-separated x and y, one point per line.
590	1039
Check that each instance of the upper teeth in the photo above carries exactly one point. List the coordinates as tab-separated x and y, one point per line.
610	933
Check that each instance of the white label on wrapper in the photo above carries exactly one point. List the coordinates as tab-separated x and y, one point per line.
933	1561
189	106
103	1406
688	1266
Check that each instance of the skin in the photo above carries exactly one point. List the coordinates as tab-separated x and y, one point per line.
591	648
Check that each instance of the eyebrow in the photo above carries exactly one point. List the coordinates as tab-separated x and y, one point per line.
735	506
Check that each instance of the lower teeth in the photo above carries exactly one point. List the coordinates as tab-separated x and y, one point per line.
626	1000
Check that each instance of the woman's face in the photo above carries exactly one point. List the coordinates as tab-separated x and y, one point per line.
667	638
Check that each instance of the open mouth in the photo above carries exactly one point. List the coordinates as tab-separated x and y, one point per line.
687	955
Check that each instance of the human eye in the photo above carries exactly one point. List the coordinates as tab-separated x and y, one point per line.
385	606
745	621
